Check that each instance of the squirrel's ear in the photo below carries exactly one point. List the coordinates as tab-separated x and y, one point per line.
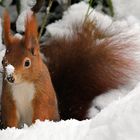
31	34
6	29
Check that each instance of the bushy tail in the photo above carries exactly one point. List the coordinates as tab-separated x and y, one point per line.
89	62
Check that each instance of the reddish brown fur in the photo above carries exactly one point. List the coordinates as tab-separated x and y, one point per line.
44	103
31	33
41	99
81	69
9	117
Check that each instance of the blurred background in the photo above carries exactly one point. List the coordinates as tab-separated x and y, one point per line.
47	11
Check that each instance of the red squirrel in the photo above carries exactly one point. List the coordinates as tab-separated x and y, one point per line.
78	68
27	93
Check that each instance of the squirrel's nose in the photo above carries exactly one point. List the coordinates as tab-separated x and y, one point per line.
10	79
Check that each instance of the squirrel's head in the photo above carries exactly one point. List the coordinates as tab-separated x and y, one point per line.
21	53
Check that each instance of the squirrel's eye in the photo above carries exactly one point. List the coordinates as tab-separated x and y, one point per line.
27	62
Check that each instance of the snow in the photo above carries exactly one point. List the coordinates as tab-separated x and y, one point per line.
117	112
17	35
76	14
20	23
102	101
2	53
125	8
9	69
49	131
120	120
26	5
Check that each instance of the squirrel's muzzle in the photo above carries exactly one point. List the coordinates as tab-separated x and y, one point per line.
10	79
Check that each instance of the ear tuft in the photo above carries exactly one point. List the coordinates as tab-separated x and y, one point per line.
6	28
31	33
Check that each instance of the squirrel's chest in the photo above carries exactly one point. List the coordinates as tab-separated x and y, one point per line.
23	95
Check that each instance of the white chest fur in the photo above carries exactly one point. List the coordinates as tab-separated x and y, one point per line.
23	95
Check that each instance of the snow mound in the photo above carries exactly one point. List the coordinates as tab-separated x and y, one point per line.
49	131
120	120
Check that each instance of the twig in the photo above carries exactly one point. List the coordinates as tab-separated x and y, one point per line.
45	18
111	7
88	13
